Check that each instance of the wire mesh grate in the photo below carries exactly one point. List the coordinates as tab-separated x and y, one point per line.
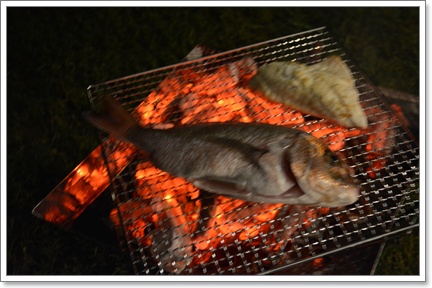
169	226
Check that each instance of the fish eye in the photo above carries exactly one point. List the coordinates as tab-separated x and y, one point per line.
333	158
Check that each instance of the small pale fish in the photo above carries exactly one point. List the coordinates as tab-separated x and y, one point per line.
325	89
250	161
171	248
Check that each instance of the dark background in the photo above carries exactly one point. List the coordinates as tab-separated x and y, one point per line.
54	54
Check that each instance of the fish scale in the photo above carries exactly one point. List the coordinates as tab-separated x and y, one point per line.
229	167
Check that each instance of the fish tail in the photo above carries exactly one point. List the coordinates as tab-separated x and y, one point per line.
114	119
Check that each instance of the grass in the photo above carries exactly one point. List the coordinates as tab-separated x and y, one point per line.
400	256
54	54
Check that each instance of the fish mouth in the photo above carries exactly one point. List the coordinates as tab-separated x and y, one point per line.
342	196
346	195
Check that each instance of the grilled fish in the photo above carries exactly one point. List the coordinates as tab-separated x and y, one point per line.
171	243
249	161
325	89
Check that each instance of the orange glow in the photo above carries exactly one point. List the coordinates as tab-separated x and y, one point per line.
333	135
216	97
267	212
318	262
200	97
82	186
375	164
399	112
266	111
83	170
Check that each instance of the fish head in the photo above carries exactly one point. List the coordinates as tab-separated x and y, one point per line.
321	175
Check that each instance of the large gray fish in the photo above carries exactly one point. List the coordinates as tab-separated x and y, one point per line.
250	161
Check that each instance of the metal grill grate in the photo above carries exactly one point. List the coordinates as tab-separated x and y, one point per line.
180	233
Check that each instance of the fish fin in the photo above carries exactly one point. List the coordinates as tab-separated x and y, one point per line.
304	199
221	186
294	192
294	196
114	119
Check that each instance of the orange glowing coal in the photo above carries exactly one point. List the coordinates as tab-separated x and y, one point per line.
197	97
217	97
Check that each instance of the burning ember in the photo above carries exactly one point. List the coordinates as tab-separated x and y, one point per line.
170	226
171	204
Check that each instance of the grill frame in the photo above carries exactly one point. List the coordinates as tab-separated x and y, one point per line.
377	194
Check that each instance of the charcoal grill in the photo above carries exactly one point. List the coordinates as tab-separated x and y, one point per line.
179	233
